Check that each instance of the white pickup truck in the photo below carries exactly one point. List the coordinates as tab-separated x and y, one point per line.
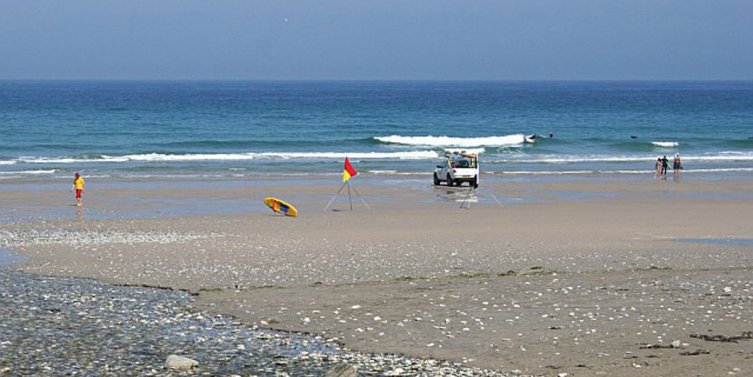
457	168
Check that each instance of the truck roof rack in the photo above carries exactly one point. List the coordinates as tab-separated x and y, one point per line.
461	154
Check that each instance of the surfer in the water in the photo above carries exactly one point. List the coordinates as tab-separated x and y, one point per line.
78	186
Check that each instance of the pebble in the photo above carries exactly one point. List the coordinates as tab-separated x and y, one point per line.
342	370
77	239
180	363
53	326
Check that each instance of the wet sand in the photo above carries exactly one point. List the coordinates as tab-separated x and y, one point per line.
580	276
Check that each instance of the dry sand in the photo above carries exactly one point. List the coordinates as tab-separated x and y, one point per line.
583	276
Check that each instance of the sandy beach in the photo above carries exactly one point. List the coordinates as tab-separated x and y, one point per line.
482	189
583	276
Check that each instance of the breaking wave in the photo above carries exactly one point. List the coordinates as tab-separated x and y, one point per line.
467	150
446	141
28	172
561	159
665	144
157	157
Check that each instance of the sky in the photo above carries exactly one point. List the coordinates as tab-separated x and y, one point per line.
377	39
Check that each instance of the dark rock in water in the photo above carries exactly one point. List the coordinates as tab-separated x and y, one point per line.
342	370
633	137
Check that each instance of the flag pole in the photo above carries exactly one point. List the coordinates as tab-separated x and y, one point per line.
333	198
348	173
361	197
350	199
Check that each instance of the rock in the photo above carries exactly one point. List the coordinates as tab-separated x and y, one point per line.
342	370
180	363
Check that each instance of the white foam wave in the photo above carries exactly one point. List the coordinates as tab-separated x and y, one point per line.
7	162
466	150
411	155
457	142
182	157
58	160
29	172
569	159
544	172
726	157
572	172
666	144
397	155
559	159
595	172
718	170
157	157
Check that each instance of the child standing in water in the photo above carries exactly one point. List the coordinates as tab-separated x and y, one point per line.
78	185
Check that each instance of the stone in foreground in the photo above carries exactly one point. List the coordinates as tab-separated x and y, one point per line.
180	363
342	370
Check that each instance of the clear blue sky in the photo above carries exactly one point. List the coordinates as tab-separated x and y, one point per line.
376	39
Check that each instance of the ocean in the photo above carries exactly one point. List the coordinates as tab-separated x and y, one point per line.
237	129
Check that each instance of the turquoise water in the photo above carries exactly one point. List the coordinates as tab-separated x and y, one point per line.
197	129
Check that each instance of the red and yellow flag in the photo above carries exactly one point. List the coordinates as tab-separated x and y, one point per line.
348	171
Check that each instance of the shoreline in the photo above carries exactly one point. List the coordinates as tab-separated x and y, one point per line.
42	199
419	270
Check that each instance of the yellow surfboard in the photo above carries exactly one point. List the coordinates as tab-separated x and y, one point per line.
281	206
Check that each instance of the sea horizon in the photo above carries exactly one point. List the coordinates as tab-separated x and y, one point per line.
387	80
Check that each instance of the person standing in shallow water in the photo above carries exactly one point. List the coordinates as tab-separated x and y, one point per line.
664	165
78	186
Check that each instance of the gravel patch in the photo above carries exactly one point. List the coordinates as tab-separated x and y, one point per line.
86	238
52	326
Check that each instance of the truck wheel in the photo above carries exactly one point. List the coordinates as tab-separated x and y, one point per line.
450	183
436	180
475	182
